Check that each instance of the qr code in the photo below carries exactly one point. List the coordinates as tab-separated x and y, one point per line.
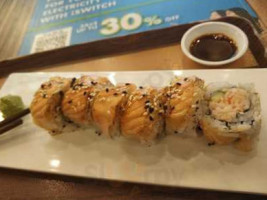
52	40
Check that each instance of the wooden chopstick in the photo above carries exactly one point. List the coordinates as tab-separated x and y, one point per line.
14	117
13	121
10	126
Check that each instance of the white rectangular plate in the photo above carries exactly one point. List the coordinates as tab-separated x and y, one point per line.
173	161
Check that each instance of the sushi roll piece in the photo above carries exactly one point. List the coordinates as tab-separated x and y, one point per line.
183	105
108	106
232	114
46	105
78	100
142	118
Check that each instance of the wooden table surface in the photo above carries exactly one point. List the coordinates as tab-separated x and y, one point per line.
15	184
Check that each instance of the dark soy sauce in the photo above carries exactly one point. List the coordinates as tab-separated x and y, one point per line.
213	47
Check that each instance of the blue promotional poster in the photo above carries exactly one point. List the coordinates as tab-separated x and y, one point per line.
60	23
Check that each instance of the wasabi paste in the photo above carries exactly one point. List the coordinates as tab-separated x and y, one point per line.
11	105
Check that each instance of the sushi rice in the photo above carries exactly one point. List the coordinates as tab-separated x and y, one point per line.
231	114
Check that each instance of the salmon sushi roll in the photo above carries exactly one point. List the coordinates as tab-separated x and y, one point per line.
78	100
46	105
182	105
108	106
142	118
232	114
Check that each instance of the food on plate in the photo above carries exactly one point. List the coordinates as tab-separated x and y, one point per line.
46	104
78	99
142	117
231	115
183	104
11	105
225	113
108	106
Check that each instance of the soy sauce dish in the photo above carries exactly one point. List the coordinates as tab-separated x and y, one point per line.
214	43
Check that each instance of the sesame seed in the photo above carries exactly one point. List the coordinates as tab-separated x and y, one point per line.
124	92
175	132
151	110
70	101
74	108
185	79
141	87
68	121
147	101
98	133
178	83
151	118
85	93
61	93
44	95
93	82
165	107
115	94
107	90
173	96
72	82
211	143
58	108
127	83
145	113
